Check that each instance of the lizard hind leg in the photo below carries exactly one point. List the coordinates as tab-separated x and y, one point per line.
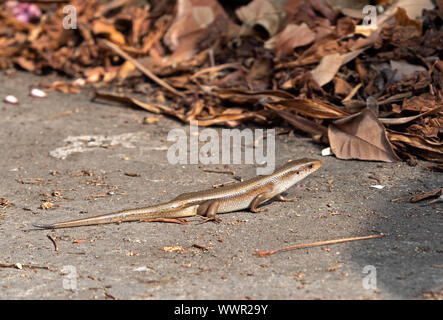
208	211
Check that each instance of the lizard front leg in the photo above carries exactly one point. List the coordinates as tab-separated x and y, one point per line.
279	197
262	197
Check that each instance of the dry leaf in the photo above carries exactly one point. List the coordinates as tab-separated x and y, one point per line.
190	22
404	120
291	37
360	136
100	27
413	144
25	63
414	8
250	97
303	124
330	64
64	87
261	13
342	88
151	107
311	108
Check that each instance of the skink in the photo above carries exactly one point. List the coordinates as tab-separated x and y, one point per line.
207	203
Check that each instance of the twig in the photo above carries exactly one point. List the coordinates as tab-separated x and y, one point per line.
21	266
54	241
231	172
314	244
143	69
235	65
425	195
61	114
108	295
199	246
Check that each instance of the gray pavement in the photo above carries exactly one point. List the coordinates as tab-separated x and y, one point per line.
129	260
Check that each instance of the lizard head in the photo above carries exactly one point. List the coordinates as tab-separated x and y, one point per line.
295	170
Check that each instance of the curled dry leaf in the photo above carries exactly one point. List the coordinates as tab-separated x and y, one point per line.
261	13
360	136
404	120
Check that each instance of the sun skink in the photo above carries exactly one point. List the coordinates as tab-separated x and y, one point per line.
207	203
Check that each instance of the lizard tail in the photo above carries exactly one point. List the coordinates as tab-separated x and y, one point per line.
160	211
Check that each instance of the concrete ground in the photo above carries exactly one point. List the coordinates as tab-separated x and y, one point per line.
214	261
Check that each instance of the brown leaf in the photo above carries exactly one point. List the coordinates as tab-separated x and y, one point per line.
403	19
301	123
248	97
330	64
26	64
231	120
404	120
100	27
291	37
421	103
416	145
414	8
261	13
360	136
64	87
151	107
341	87
311	108
190	22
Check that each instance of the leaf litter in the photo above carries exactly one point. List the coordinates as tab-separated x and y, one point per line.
311	66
